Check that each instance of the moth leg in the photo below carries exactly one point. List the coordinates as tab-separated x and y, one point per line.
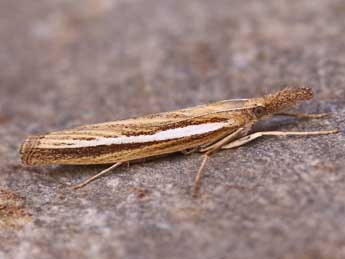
222	141
208	152
198	177
89	180
251	137
304	115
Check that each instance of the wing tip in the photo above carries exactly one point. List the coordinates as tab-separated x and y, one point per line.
28	148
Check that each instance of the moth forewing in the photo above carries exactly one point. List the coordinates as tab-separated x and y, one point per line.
136	138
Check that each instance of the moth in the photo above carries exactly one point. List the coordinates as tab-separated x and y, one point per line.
204	129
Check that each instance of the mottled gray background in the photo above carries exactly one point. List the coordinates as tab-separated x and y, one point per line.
66	63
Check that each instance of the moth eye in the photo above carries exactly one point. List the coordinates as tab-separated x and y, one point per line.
259	111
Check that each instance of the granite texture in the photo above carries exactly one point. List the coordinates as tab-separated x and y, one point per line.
67	63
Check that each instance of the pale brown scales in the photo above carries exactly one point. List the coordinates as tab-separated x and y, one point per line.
286	98
116	153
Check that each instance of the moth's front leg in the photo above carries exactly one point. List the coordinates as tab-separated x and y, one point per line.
205	147
253	136
227	139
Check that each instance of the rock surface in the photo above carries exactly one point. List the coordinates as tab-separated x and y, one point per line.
66	63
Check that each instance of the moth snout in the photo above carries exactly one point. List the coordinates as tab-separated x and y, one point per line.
287	98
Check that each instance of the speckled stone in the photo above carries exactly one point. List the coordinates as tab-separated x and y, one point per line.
67	63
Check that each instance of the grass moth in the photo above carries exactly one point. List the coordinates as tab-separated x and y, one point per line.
204	129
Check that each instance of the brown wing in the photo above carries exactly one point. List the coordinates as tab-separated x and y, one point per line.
116	141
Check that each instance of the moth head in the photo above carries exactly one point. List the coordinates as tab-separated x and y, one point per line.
285	99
